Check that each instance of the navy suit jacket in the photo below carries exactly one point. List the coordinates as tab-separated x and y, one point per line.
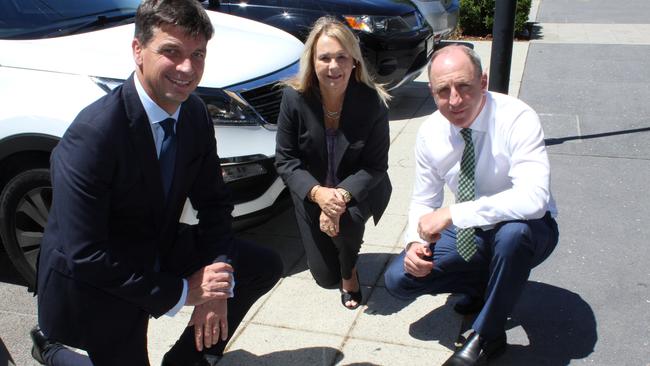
112	252
362	144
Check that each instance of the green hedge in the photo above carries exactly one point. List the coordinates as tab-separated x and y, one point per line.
477	17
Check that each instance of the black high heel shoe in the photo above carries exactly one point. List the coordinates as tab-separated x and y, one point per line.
355	296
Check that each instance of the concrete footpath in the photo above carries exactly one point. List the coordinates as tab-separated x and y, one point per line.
586	73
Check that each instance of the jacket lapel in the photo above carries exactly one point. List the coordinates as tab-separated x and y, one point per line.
143	143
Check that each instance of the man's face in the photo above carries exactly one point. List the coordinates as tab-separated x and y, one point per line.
170	66
458	92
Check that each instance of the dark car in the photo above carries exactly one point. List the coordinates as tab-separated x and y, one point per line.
395	38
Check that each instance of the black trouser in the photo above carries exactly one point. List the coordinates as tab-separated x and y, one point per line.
328	258
257	271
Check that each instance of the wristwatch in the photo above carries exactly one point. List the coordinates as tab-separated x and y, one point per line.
347	197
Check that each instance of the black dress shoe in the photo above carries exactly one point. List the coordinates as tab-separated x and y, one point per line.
476	351
468	305
40	344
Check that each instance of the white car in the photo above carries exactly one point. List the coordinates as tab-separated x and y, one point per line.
56	59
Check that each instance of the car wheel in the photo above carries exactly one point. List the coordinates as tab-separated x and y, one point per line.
24	207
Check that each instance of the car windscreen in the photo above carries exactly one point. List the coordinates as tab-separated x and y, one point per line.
32	19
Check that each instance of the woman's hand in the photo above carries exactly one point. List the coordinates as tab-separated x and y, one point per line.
329	225
330	200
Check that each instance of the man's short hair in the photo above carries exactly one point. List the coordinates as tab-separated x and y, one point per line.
474	58
188	14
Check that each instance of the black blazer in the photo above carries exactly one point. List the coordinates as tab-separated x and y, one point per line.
361	146
109	254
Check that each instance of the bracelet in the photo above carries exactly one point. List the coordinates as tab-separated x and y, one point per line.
312	193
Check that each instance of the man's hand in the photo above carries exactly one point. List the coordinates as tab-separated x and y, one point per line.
417	261
209	283
330	201
432	224
329	225
210	321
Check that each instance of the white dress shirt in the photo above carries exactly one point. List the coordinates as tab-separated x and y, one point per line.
512	179
155	114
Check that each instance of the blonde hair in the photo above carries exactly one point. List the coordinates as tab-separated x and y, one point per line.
306	80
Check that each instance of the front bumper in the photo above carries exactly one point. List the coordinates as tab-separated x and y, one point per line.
400	58
257	194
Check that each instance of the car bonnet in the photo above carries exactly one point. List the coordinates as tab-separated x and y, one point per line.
241	50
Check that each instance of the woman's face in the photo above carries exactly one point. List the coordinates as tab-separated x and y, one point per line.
332	64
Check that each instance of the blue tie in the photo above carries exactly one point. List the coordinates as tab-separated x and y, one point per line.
167	155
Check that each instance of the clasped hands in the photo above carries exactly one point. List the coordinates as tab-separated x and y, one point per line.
332	205
418	260
208	290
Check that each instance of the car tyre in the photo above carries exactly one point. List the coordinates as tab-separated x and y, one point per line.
24	207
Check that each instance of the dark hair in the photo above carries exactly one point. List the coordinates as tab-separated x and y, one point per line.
188	14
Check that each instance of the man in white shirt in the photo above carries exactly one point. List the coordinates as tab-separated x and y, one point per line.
507	219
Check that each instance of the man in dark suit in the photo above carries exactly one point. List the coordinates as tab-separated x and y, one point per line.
114	253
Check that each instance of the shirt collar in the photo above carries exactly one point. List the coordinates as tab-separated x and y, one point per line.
154	112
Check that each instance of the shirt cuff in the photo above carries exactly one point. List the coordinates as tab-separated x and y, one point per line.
180	303
461	215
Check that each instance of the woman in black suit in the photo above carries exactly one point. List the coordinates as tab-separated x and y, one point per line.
332	153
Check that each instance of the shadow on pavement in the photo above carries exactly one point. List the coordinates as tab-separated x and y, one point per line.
549	326
413	100
561	140
301	356
559	324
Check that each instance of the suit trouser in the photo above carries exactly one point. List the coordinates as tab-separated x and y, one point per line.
328	258
497	272
258	270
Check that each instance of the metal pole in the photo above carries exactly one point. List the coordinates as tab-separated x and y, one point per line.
503	34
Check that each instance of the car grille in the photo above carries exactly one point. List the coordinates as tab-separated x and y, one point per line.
266	101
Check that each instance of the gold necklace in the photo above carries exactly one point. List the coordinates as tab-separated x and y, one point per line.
332	114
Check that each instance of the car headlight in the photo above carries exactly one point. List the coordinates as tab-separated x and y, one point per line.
227	108
385	24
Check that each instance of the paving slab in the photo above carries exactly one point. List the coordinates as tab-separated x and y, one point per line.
15	329
402	173
163	333
293	306
401	151
426	322
358	352
594	11
598	277
588	114
399	201
579	33
272	346
389	230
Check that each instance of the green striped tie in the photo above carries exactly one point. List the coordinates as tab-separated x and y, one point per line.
465	243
